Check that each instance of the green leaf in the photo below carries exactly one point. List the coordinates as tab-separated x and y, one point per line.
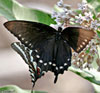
95	5
87	51
98	33
96	87
91	75
12	10
89	1
15	89
6	9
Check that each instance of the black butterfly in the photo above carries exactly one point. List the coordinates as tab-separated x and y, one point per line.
46	47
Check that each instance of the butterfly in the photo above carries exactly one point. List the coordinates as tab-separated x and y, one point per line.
46	49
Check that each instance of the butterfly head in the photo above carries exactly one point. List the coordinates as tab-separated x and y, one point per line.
59	29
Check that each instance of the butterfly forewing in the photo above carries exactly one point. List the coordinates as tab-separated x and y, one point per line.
77	37
30	33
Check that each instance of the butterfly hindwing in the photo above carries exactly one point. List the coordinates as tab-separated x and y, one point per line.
77	37
44	55
62	57
36	70
24	52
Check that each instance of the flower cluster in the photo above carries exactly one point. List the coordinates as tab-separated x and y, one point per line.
86	57
86	19
83	17
64	15
83	6
90	53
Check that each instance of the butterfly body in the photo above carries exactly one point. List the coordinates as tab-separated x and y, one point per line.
58	35
50	49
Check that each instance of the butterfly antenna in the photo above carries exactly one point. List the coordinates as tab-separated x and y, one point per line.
56	77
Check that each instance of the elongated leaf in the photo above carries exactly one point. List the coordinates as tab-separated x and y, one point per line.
12	10
95	5
91	75
16	89
96	87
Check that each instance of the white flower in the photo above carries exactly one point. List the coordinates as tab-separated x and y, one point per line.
54	14
58	20
87	65
83	6
75	54
70	12
88	16
63	15
79	19
60	3
94	25
65	10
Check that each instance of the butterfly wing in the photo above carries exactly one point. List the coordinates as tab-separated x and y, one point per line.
42	40
62	55
26	54
29	33
77	37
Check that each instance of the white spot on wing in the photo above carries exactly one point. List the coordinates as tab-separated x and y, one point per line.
19	35
85	40
41	61
50	63
54	64
31	58
68	59
56	68
23	39
45	64
83	43
36	50
37	56
61	67
26	42
33	79
81	46
30	44
65	64
35	65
